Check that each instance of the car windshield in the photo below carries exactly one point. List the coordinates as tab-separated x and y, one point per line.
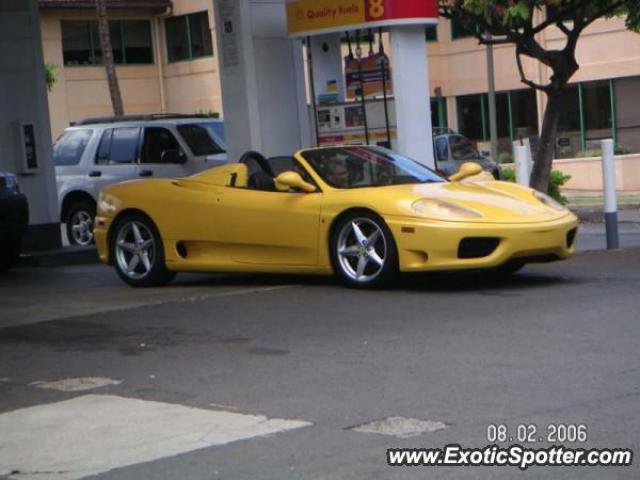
462	149
204	138
360	167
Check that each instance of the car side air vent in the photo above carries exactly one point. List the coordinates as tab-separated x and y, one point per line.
477	247
571	237
181	248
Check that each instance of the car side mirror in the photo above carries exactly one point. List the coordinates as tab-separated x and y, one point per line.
294	180
467	170
173	156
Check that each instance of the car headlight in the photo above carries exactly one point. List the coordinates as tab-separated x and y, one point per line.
548	201
107	204
438	209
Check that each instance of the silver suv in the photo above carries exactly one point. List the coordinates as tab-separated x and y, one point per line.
94	153
453	149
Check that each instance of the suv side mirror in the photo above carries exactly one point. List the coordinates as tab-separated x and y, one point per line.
173	156
294	180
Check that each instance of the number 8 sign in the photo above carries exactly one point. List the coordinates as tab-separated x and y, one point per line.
375	9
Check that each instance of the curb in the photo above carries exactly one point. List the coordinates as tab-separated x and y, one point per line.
60	257
596	214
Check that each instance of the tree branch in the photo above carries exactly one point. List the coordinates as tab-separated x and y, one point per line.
523	76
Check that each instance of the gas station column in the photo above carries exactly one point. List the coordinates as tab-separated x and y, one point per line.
410	74
326	55
405	21
262	77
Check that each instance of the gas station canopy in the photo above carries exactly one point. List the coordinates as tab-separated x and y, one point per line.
313	17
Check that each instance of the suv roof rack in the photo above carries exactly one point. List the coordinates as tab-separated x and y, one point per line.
141	118
442	131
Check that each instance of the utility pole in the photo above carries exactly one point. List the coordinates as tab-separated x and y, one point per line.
493	121
107	58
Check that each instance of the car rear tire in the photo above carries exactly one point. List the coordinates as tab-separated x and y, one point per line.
79	222
138	253
363	251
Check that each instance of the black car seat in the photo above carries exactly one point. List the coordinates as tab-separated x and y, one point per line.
262	181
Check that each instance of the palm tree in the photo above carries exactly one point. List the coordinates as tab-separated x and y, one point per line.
107	58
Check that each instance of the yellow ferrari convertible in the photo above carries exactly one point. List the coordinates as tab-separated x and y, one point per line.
361	213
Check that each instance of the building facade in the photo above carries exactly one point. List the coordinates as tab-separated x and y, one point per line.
168	62
164	51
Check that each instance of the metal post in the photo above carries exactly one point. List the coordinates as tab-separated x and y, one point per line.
523	172
312	86
610	194
493	120
383	67
363	100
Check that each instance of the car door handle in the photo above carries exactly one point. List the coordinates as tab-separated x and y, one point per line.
146	173
95	173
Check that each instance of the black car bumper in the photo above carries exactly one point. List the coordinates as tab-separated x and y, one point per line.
14	217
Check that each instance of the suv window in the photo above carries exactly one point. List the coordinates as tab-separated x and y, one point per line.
199	138
70	146
442	148
461	149
118	146
157	140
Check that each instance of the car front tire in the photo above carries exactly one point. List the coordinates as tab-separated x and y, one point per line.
363	251
138	253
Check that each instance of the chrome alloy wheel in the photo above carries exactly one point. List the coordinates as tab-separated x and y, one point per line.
135	250
82	228
362	250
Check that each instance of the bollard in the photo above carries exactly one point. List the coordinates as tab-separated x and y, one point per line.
610	194
523	173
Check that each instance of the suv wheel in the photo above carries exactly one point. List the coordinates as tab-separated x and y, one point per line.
79	220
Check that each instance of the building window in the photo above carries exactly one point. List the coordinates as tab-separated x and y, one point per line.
130	40
516	117
459	30
77	43
471	117
188	37
439	112
431	33
626	98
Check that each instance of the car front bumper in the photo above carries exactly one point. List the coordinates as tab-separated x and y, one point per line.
425	245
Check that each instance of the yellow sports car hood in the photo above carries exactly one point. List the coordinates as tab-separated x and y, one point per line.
492	202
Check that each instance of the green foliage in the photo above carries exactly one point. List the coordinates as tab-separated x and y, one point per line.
505	157
208	112
619	150
556	180
514	14
50	74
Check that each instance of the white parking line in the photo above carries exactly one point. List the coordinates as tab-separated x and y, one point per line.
93	434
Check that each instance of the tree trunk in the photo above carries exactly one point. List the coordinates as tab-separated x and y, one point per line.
546	148
107	58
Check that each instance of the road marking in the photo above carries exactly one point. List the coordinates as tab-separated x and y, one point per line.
400	427
93	434
76	384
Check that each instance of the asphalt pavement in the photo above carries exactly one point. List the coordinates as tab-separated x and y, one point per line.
269	377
